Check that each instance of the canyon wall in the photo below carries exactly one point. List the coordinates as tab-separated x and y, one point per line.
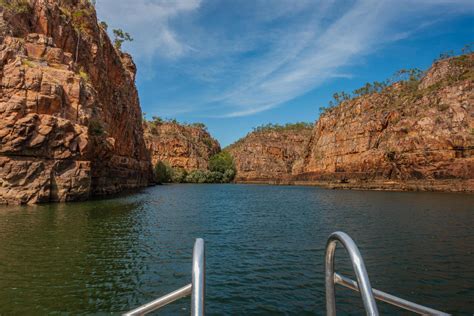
417	136
188	147
70	120
413	135
268	155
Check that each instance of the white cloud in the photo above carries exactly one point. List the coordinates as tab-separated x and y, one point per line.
149	24
250	56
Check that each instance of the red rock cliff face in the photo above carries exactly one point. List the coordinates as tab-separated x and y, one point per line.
181	146
70	120
269	155
400	139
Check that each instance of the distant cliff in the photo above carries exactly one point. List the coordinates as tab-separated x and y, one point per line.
268	154
415	134
183	146
70	120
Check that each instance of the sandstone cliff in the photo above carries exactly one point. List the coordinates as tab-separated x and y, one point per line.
417	136
412	135
181	146
268	154
70	120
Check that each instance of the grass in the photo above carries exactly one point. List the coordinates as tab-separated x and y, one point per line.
84	76
28	63
16	6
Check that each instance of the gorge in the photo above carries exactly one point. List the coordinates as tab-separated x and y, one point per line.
415	134
71	126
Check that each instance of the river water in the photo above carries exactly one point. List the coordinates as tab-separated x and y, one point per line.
265	250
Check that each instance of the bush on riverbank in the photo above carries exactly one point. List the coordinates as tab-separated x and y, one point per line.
221	165
163	172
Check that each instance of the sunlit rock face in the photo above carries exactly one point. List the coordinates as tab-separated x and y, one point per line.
269	155
181	146
409	139
70	120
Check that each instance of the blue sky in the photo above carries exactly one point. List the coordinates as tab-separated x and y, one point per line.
237	64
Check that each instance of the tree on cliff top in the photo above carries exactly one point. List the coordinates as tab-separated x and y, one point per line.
120	36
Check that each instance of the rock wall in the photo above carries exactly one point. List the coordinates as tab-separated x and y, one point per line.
269	155
70	120
407	137
181	146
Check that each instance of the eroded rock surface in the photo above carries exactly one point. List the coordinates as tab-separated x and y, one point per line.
416	136
403	138
181	146
70	120
269	155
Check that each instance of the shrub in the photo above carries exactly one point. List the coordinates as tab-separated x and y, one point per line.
83	74
228	176
287	127
16	6
96	128
28	63
163	172
120	36
178	175
196	176
221	162
213	177
104	25
206	176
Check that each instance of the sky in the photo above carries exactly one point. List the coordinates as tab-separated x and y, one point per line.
237	64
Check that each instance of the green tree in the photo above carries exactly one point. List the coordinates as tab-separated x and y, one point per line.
178	175
104	25
228	176
221	162
120	36
163	172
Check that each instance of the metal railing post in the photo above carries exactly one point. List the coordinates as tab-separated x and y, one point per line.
360	271
196	288
199	279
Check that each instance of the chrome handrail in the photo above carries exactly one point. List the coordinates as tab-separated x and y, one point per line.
199	279
196	289
360	271
363	283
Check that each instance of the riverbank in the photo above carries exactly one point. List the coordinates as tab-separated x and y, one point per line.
453	186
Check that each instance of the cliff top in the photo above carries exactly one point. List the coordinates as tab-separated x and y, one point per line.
410	84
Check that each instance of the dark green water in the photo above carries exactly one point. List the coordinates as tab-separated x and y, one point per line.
265	250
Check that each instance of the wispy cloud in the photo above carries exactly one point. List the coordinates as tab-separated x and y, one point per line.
149	24
245	57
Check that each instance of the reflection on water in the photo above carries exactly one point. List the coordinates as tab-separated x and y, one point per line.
265	249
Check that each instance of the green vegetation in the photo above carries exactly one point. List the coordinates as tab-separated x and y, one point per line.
104	25
96	128
467	49
222	170
221	162
163	172
156	121
409	80
28	63
299	126
16	6
83	74
120	37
